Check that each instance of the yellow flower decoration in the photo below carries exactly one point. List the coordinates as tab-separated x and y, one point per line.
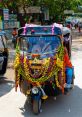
45	75
59	62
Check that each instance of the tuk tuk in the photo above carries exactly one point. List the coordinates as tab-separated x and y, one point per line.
39	64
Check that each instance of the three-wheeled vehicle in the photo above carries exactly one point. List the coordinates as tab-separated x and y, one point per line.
39	64
3	53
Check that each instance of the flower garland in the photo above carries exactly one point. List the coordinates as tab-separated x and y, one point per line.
49	69
61	56
34	75
16	66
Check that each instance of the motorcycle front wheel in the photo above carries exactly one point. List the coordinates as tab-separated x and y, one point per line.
36	106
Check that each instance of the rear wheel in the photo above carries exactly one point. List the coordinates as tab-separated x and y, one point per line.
36	106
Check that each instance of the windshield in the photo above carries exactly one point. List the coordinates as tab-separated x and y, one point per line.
45	46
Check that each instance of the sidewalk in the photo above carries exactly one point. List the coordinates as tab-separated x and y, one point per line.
11	54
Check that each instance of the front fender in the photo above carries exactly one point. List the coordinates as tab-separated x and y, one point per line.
36	93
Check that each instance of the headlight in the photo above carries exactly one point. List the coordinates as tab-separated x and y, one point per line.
35	90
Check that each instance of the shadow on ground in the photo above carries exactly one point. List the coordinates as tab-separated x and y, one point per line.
5	86
64	106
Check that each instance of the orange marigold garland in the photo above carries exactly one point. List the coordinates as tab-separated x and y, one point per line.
49	69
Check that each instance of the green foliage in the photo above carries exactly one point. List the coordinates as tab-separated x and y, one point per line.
56	7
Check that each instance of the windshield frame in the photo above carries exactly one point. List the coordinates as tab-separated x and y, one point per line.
38	35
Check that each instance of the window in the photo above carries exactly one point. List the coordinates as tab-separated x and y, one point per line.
1	43
23	44
4	40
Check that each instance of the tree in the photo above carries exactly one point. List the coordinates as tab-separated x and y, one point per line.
56	7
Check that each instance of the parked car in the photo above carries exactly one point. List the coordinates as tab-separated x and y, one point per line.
3	52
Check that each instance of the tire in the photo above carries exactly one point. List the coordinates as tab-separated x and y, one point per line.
4	66
36	106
